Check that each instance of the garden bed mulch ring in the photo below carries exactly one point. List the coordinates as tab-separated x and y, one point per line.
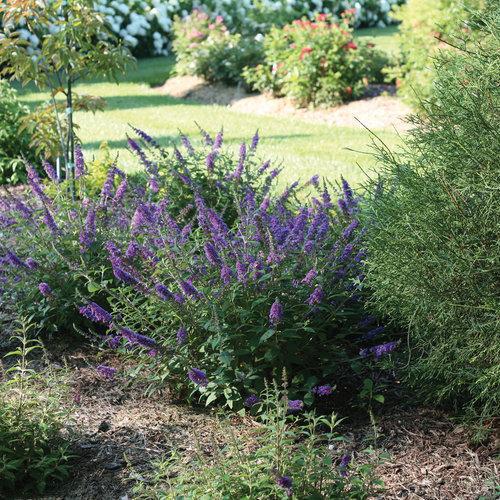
379	109
121	433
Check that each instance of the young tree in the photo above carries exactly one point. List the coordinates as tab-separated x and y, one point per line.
69	41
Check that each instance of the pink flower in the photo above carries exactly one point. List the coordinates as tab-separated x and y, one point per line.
304	52
350	46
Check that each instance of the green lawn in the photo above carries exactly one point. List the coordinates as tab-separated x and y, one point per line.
304	148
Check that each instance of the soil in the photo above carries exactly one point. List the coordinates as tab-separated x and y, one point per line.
118	434
379	108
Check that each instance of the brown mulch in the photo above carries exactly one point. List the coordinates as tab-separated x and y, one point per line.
379	109
120	433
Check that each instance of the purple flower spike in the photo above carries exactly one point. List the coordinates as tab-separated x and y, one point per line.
106	371
347	232
79	162
252	400
310	276
226	274
49	221
14	260
210	160
163	292
181	336
316	297
344	463
87	236
199	377
295	406
45	289
124	276
286	483
383	349
276	313
137	338
189	289
211	254
219	139
96	313
32	263
50	171
255	141
322	390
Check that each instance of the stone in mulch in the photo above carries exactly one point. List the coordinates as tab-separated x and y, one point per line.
380	109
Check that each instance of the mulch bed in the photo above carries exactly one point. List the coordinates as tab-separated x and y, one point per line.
119	434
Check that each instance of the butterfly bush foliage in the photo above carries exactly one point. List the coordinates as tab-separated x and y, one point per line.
220	305
53	255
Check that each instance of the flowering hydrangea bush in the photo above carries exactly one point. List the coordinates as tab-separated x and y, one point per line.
145	26
205	47
315	62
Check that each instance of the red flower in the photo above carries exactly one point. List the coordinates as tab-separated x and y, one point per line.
348	90
350	46
322	17
304	52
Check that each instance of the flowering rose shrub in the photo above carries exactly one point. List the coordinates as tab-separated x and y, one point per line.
423	22
145	26
205	47
314	62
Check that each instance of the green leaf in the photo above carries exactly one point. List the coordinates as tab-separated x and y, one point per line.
379	397
267	335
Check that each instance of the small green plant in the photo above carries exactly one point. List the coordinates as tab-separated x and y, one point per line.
32	416
316	62
13	141
205	47
287	456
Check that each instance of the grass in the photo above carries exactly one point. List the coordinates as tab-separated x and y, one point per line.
384	38
304	148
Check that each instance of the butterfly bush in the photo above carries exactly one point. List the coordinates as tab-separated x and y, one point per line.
202	269
145	26
244	288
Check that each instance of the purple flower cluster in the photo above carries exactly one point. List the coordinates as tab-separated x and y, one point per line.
106	372
252	400
198	377
380	350
295	406
96	313
322	390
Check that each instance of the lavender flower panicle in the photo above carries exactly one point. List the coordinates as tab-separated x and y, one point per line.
286	483
50	171
219	139
135	338
252	400
295	406
49	221
106	371
96	313
322	390
182	336
255	141
276	313
163	292
310	276
344	463
316	296
199	377
45	289
79	162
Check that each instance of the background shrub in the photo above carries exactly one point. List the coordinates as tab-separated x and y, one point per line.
315	62
145	26
433	240
205	47
12	141
423	23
